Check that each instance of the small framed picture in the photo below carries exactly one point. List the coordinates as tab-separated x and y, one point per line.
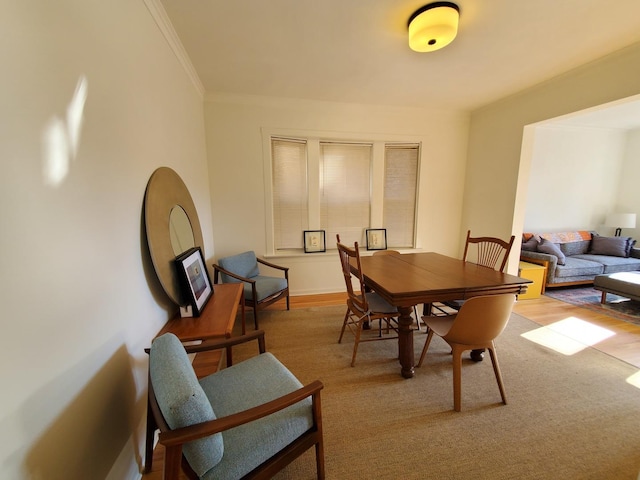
314	241
194	279
376	238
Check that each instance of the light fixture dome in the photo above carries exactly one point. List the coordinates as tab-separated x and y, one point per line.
433	26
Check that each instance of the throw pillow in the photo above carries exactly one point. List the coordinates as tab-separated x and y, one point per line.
612	246
545	246
531	245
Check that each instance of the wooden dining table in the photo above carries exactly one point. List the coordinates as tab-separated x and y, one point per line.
418	278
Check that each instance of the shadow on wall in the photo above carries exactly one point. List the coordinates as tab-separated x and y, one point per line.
87	437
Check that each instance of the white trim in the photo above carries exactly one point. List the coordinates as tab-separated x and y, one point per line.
161	18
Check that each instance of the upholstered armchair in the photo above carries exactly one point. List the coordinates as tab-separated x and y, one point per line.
260	291
248	420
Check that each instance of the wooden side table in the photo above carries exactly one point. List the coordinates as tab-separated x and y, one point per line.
217	318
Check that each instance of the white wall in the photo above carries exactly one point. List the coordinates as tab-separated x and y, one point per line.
496	186
234	145
628	199
575	177
79	298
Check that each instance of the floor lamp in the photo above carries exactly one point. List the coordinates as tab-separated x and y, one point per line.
620	221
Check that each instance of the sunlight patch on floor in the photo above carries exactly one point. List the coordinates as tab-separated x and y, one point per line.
568	336
635	381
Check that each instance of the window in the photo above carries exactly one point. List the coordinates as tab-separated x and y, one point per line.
342	187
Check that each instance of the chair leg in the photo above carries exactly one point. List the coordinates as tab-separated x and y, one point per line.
426	347
457	377
356	342
496	370
255	314
344	325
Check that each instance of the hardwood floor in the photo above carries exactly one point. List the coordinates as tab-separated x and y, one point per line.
624	344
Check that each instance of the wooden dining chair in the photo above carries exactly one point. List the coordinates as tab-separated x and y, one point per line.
362	306
490	252
476	326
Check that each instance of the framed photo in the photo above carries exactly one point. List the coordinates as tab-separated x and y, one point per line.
314	241
196	286
376	238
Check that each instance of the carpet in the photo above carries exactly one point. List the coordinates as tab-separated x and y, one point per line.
567	417
617	307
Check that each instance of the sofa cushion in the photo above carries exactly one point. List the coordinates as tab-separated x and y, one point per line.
182	400
531	245
575	248
613	246
613	264
579	266
235	389
545	246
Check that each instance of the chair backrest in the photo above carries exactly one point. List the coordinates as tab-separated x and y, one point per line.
346	254
181	400
491	251
481	319
243	264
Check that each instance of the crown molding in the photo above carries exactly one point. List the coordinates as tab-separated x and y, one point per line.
161	18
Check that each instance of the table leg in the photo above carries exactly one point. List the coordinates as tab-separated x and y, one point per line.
405	341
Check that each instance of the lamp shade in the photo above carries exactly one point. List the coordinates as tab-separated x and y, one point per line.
621	220
433	26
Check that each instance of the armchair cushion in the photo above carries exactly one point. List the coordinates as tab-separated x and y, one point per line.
182	400
244	264
245	385
265	287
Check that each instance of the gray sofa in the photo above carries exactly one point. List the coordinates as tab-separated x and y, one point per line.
576	257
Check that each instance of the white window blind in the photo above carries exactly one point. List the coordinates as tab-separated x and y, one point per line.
345	187
400	186
290	205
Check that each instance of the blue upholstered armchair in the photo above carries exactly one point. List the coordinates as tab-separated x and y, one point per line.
260	291
248	420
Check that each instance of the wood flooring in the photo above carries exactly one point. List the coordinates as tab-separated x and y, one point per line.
624	344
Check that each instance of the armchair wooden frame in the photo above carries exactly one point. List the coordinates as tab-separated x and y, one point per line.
253	301
173	440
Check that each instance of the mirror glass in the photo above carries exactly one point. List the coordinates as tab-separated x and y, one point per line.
180	231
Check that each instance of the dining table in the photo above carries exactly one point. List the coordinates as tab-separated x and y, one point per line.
424	278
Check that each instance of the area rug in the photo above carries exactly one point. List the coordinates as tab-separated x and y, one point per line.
589	298
567	417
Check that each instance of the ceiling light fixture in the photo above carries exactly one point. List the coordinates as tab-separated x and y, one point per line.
433	26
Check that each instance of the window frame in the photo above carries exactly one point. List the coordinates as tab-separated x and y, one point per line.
313	139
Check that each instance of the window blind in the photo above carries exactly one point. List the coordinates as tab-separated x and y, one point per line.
290	205
400	187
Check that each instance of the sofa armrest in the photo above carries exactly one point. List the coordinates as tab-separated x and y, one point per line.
544	259
635	253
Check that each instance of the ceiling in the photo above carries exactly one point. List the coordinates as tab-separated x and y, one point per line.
356	50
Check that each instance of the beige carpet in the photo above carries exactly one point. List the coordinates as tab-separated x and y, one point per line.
567	418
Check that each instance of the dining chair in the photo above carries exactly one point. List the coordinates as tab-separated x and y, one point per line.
396	252
248	420
477	324
260	291
363	306
490	252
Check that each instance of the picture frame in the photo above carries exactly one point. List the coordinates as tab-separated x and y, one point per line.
314	241
194	279
376	238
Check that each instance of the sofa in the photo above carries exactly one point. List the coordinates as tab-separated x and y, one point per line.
576	257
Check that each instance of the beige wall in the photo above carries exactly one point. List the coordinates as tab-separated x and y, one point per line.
79	299
235	147
496	184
